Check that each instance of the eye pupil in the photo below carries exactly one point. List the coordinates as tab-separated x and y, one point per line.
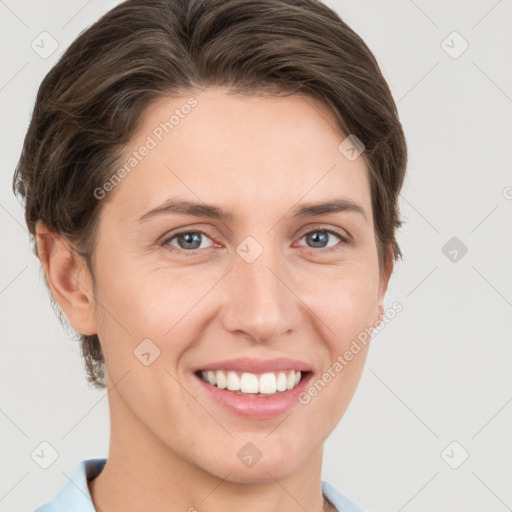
315	236
189	239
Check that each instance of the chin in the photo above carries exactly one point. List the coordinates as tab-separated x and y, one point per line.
250	464
260	473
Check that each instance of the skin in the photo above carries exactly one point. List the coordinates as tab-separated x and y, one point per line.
259	158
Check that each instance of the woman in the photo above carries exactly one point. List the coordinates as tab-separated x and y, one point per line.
212	187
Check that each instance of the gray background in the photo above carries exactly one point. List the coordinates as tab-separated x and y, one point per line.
439	372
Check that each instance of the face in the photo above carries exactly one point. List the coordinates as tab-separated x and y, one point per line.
177	291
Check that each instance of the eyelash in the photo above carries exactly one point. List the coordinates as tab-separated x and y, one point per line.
324	229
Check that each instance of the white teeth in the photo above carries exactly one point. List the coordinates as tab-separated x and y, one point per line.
281	381
290	380
266	383
233	383
221	380
249	383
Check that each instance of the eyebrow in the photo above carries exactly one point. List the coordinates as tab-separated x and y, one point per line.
179	206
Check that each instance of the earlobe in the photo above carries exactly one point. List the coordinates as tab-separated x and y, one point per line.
68	277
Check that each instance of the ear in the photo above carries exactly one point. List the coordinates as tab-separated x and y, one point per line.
68	277
385	274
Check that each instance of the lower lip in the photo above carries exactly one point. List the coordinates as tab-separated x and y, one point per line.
254	407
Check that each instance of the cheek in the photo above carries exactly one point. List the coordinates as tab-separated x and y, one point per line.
156	299
345	299
345	306
146	299
166	306
155	302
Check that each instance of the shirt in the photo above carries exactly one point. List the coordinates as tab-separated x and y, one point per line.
74	495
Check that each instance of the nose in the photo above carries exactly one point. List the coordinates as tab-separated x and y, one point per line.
259	298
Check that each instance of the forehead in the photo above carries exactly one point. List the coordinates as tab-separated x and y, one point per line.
250	153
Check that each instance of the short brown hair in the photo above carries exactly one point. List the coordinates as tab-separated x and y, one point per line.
89	104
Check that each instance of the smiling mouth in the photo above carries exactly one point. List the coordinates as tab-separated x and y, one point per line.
251	384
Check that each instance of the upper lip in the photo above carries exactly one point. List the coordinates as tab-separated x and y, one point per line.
257	365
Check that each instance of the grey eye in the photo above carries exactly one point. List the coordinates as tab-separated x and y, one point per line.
319	238
187	240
